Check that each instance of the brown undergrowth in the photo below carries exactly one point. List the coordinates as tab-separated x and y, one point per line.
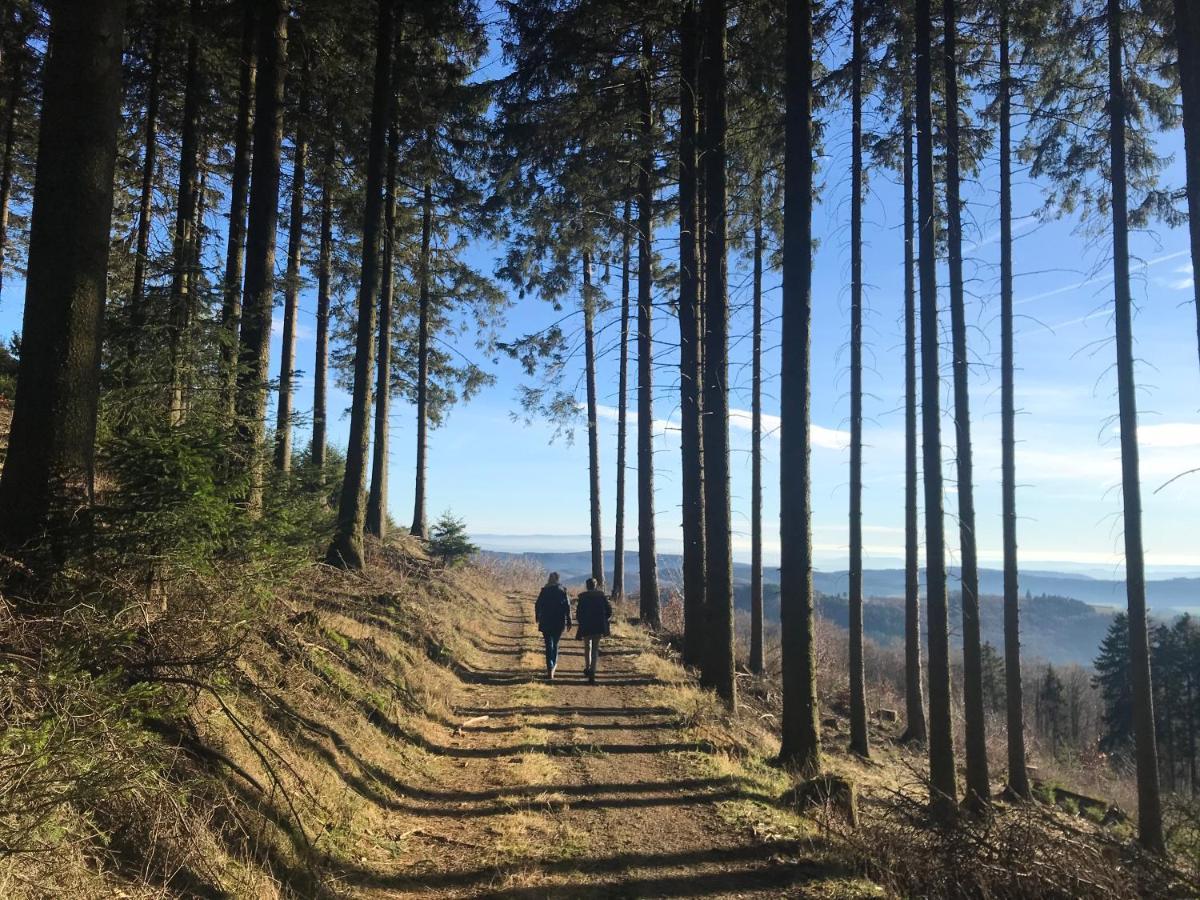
214	743
384	734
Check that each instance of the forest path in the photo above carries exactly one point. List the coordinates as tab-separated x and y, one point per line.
568	789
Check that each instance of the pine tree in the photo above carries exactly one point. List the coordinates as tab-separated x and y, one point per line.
647	554
346	550
943	780
978	780
691	418
1018	777
1116	686
321	361
859	742
914	699
291	280
618	580
239	195
137	296
49	468
719	664
1187	42
182	305
258	288
376	522
801	739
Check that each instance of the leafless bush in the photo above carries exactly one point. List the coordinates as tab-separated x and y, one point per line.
1022	851
511	572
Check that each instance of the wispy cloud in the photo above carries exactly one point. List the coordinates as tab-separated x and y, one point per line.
827	438
1098	279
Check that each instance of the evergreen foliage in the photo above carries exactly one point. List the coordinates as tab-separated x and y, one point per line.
448	540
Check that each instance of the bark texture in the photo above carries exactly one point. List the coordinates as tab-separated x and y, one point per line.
1150	827
419	526
914	698
50	466
291	288
647	555
258	298
377	518
346	550
943	780
321	362
691	420
618	582
859	742
801	739
239	198
593	423
1018	776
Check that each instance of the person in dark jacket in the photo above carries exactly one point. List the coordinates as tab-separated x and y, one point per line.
592	612
552	612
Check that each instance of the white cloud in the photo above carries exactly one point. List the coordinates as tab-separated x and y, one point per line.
1169	434
827	438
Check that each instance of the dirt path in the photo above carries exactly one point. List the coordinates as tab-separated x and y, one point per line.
567	789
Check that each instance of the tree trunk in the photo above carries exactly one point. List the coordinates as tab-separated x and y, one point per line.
239	189
720	671
978	782
196	270
291	289
757	661
419	525
914	701
321	363
800	739
859	742
1187	38
593	422
647	555
137	295
690	339
346	550
618	582
1018	776
943	784
377	519
254	346
181	309
50	466
1150	830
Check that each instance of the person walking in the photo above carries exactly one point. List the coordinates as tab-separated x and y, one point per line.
592	612
552	612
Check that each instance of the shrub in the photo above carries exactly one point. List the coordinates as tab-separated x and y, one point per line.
449	540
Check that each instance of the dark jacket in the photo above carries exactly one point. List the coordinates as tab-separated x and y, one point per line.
592	612
552	610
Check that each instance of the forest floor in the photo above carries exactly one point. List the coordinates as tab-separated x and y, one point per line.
393	734
567	789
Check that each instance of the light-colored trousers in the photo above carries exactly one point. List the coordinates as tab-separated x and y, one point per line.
591	653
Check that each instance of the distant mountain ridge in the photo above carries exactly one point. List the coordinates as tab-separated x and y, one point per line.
1165	594
1064	616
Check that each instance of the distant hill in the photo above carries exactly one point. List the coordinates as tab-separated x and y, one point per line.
1064	615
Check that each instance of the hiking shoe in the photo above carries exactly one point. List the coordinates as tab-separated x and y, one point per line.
550	672
591	677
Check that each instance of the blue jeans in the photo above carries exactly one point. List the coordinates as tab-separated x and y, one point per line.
551	649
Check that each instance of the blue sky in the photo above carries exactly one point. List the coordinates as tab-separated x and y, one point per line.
507	478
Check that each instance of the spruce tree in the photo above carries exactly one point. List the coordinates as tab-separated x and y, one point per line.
801	738
346	549
942	776
978	780
49	468
258	286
